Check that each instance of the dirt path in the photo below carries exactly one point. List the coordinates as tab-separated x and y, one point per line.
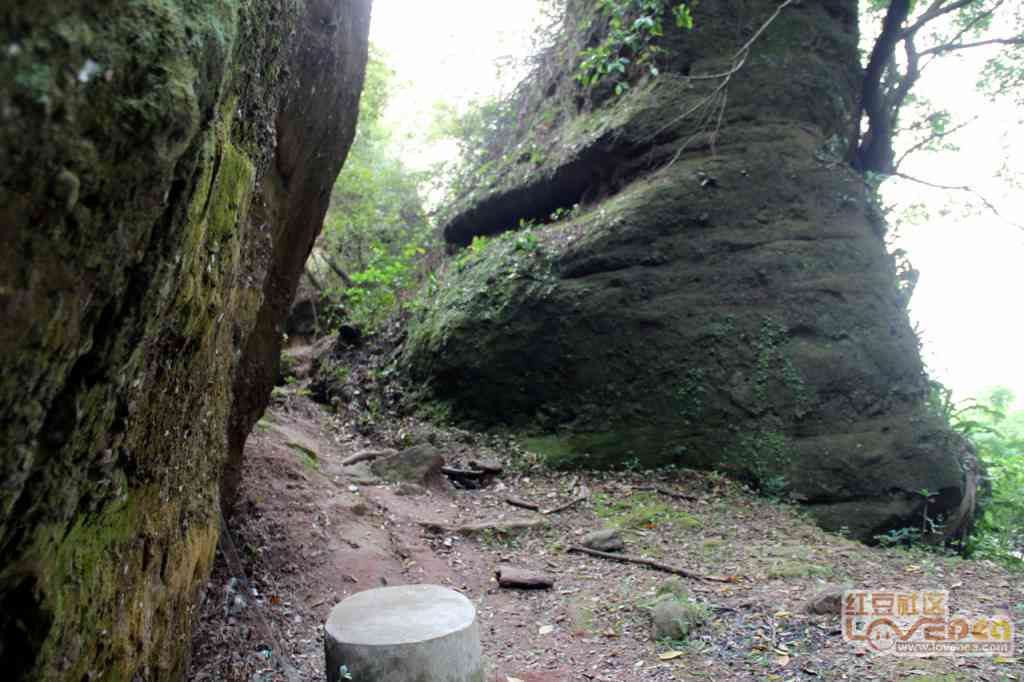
310	532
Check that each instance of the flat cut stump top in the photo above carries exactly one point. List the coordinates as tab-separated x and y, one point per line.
406	614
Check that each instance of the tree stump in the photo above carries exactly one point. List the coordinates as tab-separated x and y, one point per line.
411	633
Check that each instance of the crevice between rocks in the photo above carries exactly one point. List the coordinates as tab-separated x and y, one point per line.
599	171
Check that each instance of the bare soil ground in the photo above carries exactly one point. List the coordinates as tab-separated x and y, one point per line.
309	532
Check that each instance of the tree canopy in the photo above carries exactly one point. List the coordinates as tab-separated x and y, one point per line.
376	230
914	37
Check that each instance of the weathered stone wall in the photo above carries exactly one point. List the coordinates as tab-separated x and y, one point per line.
165	167
724	299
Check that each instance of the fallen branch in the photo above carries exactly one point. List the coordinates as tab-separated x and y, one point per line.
463	473
315	282
469	479
650	563
522	504
333	265
366	455
483	527
584	494
521	578
667	493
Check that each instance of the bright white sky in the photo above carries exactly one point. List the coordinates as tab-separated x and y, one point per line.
967	302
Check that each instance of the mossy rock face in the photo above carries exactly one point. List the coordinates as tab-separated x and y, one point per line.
735	308
804	70
150	154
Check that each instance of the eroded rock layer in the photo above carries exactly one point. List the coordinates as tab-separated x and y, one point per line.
724	297
166	166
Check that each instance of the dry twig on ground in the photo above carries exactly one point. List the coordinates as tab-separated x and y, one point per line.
650	563
584	494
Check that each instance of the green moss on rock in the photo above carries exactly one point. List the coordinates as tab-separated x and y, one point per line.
134	274
722	299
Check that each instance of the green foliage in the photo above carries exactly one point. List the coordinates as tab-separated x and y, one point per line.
692	395
630	45
767	453
642	510
564	213
481	134
998	436
970	417
376	230
527	242
910	535
606	43
309	459
774	365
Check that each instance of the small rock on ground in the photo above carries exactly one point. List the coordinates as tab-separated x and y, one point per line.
828	601
609	540
420	464
676	618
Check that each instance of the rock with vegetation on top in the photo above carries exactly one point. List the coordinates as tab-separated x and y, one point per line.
166	168
676	617
722	298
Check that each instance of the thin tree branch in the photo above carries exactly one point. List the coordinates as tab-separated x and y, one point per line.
931	138
909	79
336	269
974	22
314	281
940	49
934	12
961	188
739	60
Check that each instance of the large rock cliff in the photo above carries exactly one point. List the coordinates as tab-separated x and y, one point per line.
165	168
722	299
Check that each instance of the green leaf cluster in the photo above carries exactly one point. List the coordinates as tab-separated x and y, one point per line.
998	436
376	229
630	46
1000	444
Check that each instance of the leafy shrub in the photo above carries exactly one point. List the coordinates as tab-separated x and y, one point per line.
998	436
630	44
377	235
